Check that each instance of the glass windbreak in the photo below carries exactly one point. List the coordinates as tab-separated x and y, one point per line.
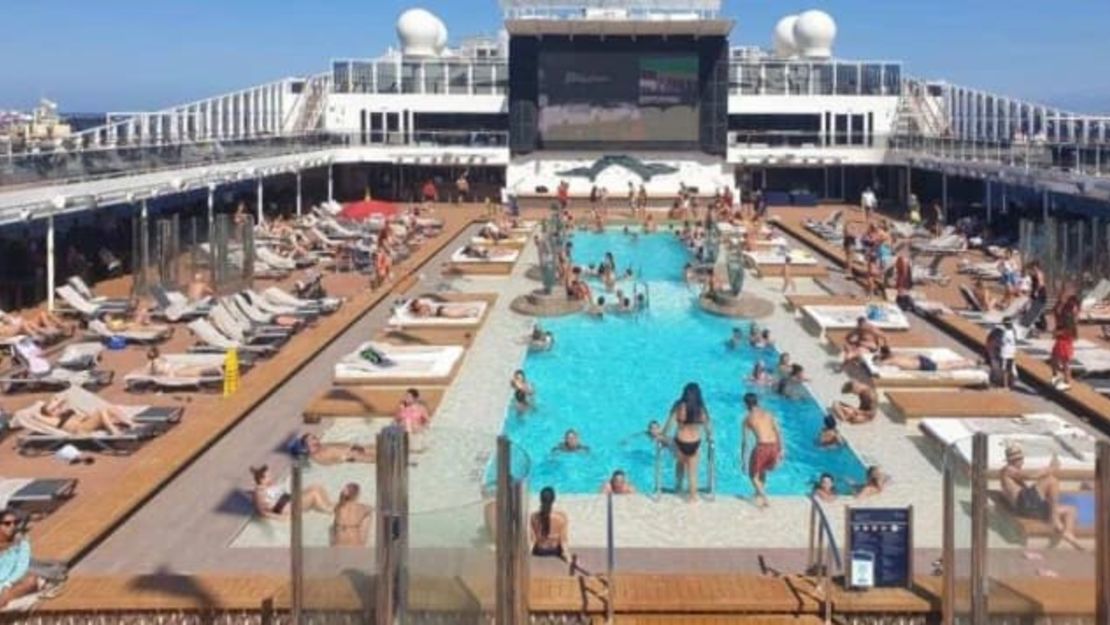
453	524
956	557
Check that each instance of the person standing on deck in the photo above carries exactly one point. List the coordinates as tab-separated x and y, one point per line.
767	452
1067	330
867	203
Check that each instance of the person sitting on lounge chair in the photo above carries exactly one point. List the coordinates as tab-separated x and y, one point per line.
425	308
865	338
471	251
335	453
40	326
920	362
159	366
57	413
492	232
868	404
16	578
1037	496
272	501
139	321
986	299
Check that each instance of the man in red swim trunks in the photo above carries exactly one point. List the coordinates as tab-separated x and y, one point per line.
767	453
1067	329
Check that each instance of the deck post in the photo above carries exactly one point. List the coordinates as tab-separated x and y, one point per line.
511	541
296	540
979	571
948	553
50	279
1102	539
260	179
392	541
299	208
211	207
331	182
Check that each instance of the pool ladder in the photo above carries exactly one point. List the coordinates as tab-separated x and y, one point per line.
710	488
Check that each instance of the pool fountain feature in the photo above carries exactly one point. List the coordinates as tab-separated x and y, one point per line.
550	300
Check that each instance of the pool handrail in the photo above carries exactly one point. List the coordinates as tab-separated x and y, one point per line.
710	487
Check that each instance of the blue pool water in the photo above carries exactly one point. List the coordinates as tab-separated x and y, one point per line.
609	378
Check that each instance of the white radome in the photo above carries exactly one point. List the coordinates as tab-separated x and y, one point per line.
783	38
814	34
421	33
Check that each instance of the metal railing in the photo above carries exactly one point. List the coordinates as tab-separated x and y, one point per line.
823	556
94	164
710	486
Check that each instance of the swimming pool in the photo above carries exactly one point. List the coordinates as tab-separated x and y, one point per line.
607	379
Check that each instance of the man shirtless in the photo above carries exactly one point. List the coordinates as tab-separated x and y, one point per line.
1037	496
852	414
920	362
767	452
335	453
863	339
199	288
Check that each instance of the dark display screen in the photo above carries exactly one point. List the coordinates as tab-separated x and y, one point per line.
617	96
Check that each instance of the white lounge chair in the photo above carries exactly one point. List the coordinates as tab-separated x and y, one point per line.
380	363
403	318
84	307
146	336
888	376
1041	437
143	378
882	315
948	244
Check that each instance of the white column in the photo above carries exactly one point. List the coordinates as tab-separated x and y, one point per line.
260	178
331	183
211	207
299	209
50	261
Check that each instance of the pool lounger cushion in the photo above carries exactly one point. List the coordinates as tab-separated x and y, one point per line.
894	376
427	364
773	257
506	256
403	318
1040	435
142	378
35	495
833	317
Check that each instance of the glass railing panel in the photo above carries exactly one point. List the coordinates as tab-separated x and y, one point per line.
956	555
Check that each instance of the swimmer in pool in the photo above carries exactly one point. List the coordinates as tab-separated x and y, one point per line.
540	340
736	340
760	375
571	444
618	484
830	435
825	490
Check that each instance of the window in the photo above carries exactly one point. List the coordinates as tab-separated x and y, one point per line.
774	75
501	85
458	78
483	79
362	77
749	79
435	78
872	80
387	78
340	74
410	75
892	79
798	79
823	79
847	79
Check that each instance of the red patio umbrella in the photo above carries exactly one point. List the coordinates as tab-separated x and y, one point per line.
365	209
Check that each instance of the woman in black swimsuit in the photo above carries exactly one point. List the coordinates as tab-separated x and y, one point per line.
689	415
549	528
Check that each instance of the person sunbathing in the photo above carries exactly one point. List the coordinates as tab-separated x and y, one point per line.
327	454
920	362
163	367
272	501
986	298
493	233
425	308
1037	495
58	414
139	321
352	519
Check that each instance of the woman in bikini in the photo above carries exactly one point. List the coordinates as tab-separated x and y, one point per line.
335	453
272	501
353	519
423	308
689	415
58	414
549	528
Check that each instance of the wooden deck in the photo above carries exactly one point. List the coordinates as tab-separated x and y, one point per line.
710	599
942	404
71	532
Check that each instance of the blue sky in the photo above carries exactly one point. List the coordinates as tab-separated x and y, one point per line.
146	54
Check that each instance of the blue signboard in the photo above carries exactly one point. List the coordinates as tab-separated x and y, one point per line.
880	547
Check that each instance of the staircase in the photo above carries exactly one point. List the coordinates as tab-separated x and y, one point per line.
918	113
310	113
